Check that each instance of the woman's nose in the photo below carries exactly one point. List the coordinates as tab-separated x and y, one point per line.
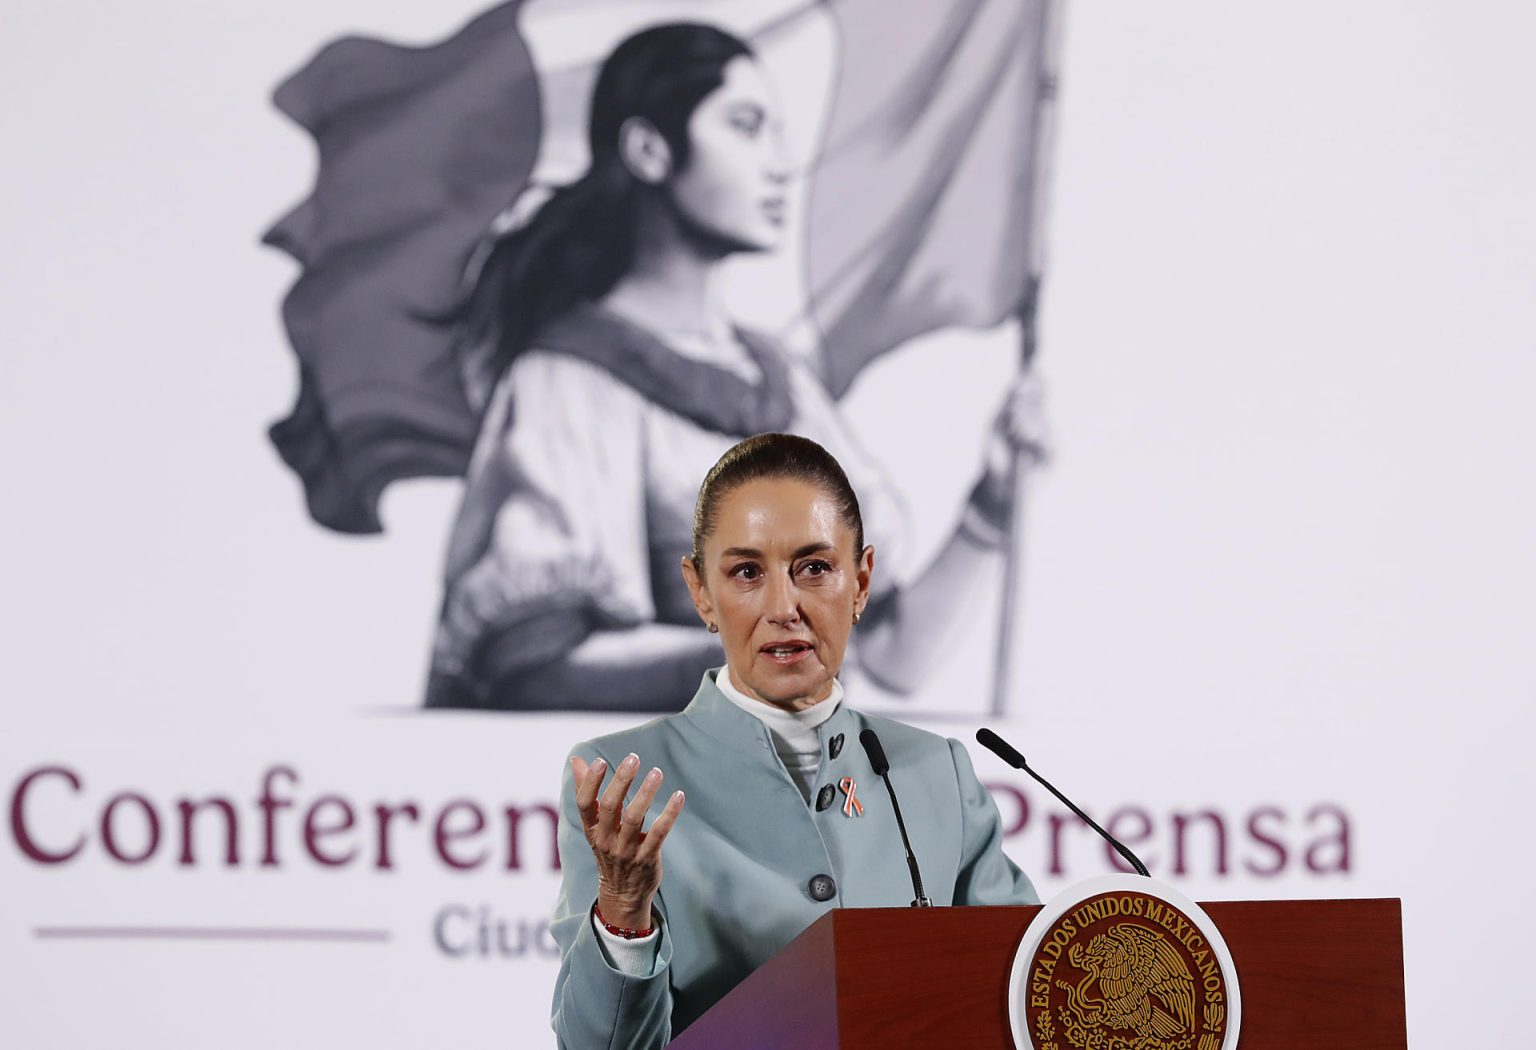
783	601
780	166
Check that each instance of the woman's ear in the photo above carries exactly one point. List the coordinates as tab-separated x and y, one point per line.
702	602
644	152
865	575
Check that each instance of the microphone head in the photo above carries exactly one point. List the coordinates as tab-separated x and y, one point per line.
1000	747
875	752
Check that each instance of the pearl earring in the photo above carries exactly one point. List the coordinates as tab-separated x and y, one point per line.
714	628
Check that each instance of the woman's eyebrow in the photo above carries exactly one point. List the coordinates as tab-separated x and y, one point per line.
753	552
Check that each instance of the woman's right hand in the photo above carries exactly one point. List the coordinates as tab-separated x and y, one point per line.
628	858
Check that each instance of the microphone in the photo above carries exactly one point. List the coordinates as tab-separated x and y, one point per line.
882	766
1005	751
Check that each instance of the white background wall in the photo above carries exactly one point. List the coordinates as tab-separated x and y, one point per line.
1283	557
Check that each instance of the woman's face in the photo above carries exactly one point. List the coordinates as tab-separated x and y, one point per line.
732	187
782	580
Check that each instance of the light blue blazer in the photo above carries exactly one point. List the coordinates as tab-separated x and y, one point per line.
747	864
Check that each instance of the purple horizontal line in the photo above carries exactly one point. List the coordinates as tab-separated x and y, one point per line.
205	933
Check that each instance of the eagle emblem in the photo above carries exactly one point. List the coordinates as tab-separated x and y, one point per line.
1133	979
1123	964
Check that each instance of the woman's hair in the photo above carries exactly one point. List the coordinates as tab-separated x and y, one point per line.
582	241
773	456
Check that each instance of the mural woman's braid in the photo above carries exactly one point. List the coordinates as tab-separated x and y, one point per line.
773	456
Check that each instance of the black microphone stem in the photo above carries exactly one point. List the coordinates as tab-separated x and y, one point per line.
1005	751
1135	862
882	767
922	900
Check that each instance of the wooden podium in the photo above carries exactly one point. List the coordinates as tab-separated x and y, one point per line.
1325	975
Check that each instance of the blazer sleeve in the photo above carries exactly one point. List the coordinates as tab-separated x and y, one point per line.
598	1006
986	875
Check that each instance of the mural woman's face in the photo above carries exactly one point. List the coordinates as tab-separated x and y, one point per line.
782	581
733	185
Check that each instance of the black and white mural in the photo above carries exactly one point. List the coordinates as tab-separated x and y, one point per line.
518	270
363	359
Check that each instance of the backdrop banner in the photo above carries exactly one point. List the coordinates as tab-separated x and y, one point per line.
362	392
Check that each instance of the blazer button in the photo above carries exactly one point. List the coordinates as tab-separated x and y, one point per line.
822	888
836	746
825	797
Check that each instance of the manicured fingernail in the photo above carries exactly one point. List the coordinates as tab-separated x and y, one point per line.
598	765
630	762
677	796
653	776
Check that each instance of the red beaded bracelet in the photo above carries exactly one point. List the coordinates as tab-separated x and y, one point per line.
621	931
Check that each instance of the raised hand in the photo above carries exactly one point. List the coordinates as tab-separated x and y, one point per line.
1020	427
628	858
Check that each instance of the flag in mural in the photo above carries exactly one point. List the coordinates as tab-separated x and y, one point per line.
944	102
559	343
419	148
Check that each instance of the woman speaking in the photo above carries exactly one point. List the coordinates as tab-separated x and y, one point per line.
781	825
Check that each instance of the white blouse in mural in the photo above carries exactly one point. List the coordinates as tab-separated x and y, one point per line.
583	490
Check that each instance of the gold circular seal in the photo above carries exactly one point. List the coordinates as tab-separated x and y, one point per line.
1126	970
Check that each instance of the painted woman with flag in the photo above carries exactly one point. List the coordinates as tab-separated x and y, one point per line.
619	380
605	377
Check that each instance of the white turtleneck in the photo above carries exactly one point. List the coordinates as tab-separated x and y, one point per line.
798	747
793	732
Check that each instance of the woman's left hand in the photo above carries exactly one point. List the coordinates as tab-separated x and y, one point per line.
1019	433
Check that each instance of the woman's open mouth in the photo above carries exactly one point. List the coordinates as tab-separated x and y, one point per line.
786	652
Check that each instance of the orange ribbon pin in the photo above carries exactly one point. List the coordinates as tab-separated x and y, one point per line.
852	807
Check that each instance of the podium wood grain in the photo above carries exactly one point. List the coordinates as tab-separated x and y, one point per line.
1325	975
